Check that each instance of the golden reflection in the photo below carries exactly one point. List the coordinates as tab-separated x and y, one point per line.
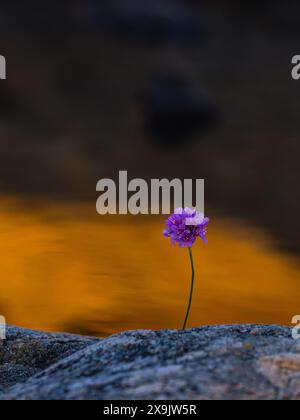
65	268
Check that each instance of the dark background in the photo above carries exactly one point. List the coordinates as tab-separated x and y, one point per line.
160	88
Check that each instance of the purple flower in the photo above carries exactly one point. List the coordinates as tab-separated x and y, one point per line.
184	226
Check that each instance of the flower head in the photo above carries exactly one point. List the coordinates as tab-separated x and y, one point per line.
184	226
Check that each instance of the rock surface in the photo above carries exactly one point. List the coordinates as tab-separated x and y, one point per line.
220	362
154	23
25	353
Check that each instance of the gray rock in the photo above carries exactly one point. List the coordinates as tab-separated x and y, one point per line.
174	97
154	23
25	353
220	362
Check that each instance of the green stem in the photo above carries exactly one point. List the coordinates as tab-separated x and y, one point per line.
192	289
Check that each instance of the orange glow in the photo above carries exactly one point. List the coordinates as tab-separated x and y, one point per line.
65	268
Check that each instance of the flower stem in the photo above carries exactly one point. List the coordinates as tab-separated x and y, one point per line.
192	289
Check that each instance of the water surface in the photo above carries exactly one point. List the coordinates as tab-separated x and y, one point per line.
64	268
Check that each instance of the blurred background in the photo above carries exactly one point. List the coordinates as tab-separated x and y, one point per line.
167	88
